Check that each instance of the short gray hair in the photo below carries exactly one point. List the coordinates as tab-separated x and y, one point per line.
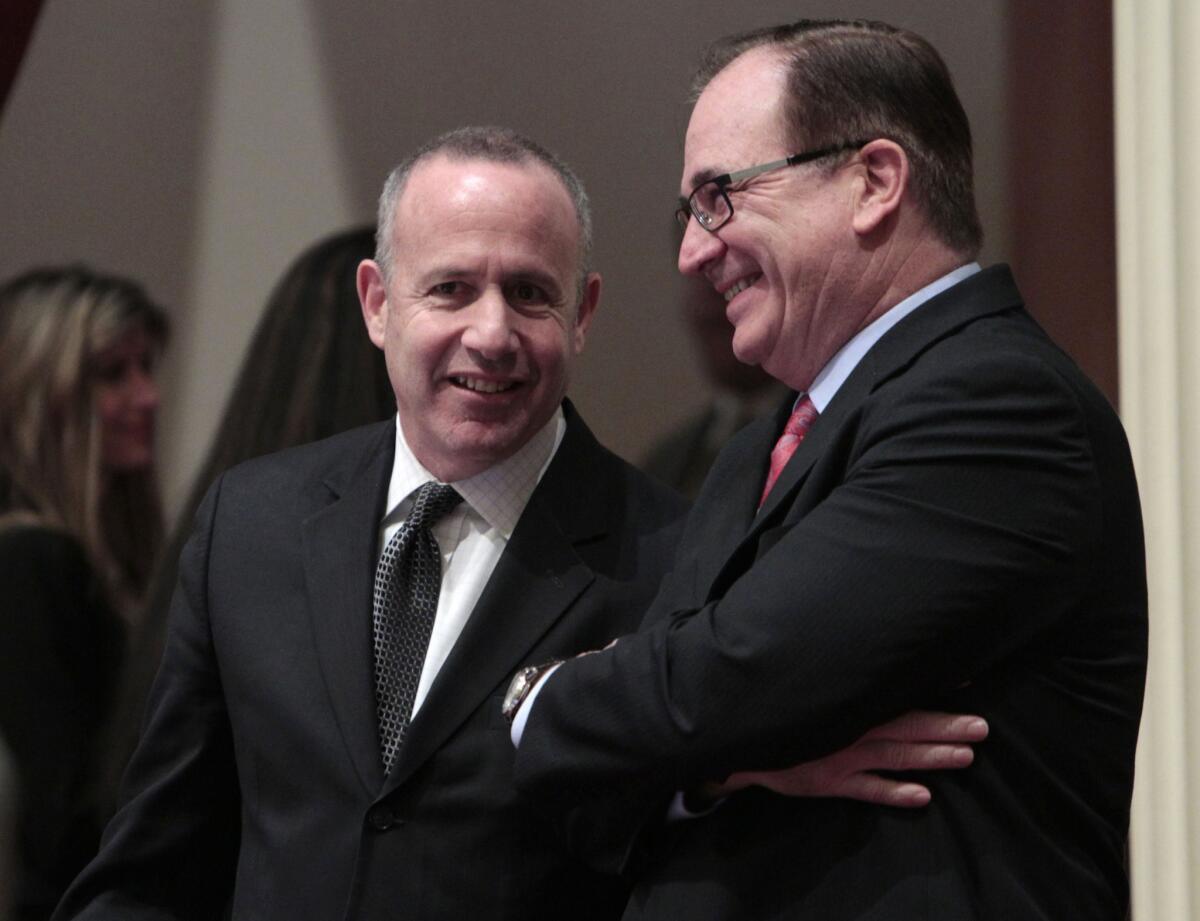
495	145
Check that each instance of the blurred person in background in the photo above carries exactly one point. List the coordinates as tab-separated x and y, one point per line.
740	394
80	523
309	372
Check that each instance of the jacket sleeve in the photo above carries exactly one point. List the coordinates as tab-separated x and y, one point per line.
171	850
960	525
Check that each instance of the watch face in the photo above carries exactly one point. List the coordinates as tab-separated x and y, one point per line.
516	691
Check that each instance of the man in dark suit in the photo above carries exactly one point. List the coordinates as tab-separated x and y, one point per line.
260	787
944	514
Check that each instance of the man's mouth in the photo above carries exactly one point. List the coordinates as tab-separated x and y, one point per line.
739	286
481	386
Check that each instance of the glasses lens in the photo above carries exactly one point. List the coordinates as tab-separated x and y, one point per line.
709	206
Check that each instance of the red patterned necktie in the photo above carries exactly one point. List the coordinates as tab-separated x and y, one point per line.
794	431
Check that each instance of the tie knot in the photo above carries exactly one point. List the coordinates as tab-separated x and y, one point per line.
804	415
432	502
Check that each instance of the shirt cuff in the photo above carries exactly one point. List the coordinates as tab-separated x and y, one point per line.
678	810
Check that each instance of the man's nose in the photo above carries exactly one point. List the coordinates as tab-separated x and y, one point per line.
490	330
697	248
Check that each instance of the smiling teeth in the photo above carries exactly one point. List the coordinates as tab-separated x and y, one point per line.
483	386
739	286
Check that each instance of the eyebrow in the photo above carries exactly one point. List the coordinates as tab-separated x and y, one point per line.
453	272
706	174
536	276
441	273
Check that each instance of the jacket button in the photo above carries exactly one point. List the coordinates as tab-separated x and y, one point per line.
381	818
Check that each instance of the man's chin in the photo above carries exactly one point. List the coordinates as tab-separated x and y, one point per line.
748	348
476	445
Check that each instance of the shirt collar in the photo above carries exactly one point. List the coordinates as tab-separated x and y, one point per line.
499	494
834	374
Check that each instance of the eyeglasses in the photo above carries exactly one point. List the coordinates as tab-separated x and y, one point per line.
710	203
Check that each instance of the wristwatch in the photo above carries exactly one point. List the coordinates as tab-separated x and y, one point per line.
524	681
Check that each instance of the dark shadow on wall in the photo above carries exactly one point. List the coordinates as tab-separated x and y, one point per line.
17	19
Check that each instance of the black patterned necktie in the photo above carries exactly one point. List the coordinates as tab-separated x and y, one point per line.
408	579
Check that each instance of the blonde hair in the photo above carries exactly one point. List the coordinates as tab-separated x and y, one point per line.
54	323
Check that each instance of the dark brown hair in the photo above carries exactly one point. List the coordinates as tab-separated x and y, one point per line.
310	370
850	79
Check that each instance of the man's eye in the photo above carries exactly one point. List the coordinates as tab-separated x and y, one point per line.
526	292
447	288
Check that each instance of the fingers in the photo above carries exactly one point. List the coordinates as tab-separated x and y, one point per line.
883	791
928	726
887	755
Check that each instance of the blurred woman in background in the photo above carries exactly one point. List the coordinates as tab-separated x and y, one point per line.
309	372
80	524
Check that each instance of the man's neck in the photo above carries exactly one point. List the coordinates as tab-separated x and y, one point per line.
831	377
905	269
891	270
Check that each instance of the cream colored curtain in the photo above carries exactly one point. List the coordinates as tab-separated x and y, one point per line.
1157	72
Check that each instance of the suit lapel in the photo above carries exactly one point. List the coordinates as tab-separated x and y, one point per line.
989	291
537	579
339	555
730	495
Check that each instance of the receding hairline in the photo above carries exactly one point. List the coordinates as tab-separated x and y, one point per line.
491	144
774	56
530	164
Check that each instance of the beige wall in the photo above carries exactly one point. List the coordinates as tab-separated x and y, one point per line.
199	145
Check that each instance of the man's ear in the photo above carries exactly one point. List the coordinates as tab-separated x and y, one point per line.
883	173
372	294
587	308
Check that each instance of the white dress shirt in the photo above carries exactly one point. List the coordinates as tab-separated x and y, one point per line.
473	535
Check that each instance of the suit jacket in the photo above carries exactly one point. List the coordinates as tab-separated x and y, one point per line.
959	530
258	781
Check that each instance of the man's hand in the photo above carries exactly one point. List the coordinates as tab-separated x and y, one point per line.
916	741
